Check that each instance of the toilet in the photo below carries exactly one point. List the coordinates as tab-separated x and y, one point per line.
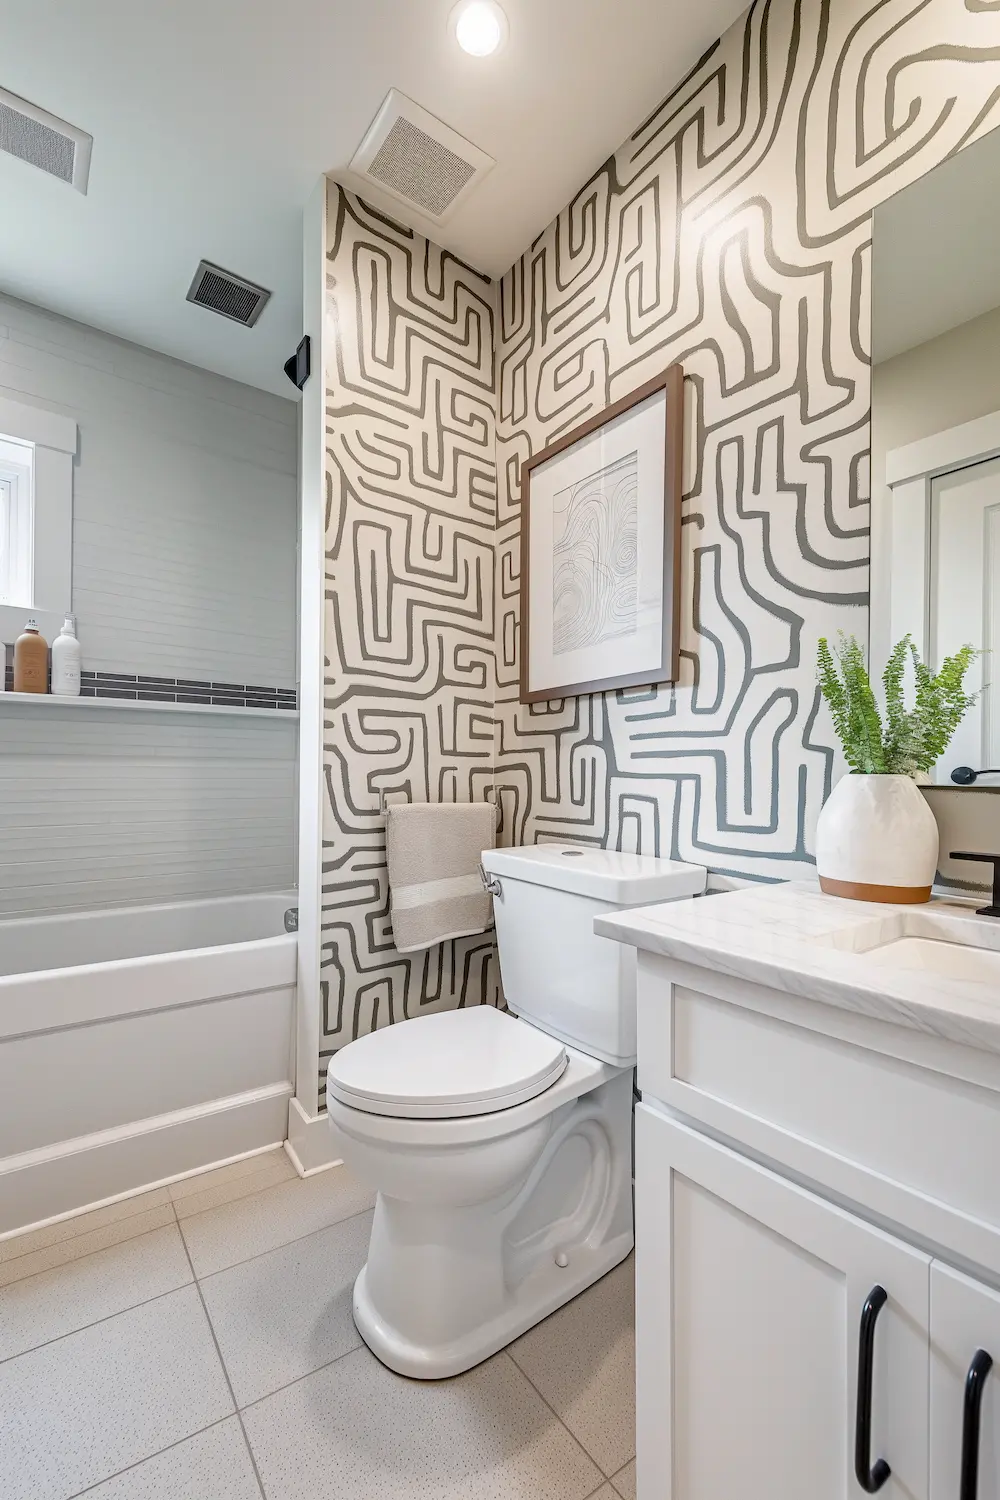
500	1144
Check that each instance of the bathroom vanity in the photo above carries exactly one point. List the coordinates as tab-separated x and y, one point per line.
817	1198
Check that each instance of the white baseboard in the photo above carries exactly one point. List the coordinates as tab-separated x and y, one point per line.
56	1181
309	1143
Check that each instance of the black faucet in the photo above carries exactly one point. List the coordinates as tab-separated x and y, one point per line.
993	910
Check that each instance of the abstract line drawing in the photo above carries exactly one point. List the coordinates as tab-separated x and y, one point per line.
595	563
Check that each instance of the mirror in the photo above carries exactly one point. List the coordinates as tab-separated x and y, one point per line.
936	432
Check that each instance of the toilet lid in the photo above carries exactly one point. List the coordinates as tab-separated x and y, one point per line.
458	1062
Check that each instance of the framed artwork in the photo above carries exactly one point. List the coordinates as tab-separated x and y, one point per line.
600	549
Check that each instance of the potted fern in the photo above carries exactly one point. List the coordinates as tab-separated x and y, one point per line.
876	839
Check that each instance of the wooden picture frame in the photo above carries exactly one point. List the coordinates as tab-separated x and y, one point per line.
574	627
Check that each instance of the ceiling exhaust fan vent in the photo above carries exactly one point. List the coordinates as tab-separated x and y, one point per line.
419	160
226	293
44	141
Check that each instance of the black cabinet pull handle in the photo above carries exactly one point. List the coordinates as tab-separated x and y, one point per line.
981	1366
870	1477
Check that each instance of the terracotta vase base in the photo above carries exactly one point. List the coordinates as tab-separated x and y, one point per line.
890	895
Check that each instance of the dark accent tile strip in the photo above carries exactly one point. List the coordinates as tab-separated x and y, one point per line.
150	689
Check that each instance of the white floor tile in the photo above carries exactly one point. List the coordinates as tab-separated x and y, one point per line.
45	1248
58	1302
582	1360
624	1481
222	1237
355	1431
288	1312
213	1465
192	1195
79	1410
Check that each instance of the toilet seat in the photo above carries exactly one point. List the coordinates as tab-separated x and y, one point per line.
446	1066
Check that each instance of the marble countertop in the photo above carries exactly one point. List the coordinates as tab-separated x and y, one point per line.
797	940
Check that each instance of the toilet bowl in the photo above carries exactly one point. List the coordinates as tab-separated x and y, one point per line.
500	1144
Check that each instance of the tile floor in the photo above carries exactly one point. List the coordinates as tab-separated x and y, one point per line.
196	1343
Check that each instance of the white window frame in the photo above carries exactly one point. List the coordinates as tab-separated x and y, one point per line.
17	525
54	439
910	472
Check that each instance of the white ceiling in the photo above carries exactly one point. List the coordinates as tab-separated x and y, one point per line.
213	119
936	251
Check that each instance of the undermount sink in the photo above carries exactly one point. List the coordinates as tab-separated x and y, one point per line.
934	956
953	943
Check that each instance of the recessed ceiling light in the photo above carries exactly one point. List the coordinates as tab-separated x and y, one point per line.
480	27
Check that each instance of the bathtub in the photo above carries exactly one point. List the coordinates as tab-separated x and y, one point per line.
138	1045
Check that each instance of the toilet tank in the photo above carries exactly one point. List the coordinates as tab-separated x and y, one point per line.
557	973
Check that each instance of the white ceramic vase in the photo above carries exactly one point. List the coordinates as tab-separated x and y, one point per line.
877	840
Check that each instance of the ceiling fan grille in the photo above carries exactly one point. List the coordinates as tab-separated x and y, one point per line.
418	159
44	141
224	292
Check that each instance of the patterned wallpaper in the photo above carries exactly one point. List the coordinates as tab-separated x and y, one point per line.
731	232
411	517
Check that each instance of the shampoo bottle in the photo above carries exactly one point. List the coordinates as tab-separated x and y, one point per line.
31	661
66	661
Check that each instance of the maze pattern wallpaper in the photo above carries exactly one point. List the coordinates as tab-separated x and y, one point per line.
410	529
731	233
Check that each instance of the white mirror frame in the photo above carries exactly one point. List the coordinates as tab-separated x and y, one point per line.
909	473
55	441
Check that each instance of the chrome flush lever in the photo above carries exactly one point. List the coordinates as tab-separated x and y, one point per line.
491	884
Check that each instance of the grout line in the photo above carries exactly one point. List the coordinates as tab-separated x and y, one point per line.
139	1461
237	1198
83	1328
78	1260
68	1239
296	1240
257	1192
620	1471
359	1348
225	1372
138	1199
145	1301
562	1424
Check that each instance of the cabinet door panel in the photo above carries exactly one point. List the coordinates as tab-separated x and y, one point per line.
965	1316
749	1298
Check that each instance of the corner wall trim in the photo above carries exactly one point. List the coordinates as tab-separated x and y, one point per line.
309	1144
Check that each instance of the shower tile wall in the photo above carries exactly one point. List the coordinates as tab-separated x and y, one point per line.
411	512
184	558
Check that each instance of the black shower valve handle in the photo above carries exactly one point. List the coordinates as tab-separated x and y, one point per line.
993	910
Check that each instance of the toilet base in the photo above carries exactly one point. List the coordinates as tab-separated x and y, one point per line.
545	1290
474	1243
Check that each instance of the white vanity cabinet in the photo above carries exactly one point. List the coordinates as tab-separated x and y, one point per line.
965	1322
749	1293
752	1294
794	1155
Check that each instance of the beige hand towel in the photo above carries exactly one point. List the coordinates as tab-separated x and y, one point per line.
433	852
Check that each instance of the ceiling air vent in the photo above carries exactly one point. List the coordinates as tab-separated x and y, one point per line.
44	141
417	159
224	292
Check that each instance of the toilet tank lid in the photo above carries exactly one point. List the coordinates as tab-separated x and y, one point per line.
622	879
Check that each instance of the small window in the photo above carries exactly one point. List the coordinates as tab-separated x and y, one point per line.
17	467
37	451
